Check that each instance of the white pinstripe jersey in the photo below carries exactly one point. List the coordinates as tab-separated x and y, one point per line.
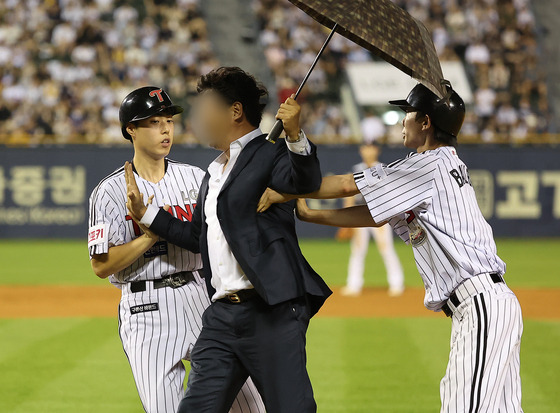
359	167
429	201
110	225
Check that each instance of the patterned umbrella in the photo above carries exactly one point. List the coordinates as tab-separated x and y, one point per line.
383	28
386	30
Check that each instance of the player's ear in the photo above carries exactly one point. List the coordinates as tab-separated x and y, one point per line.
237	111
426	123
131	129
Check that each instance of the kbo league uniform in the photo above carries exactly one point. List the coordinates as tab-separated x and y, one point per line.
428	200
163	292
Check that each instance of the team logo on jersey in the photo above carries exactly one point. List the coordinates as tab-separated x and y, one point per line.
416	233
192	195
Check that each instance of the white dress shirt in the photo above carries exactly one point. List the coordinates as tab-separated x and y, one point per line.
227	276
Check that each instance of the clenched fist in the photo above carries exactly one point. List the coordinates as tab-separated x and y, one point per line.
289	113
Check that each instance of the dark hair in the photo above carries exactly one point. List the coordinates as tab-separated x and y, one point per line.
236	85
439	135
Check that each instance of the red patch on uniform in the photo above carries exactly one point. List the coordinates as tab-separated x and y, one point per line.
410	217
96	234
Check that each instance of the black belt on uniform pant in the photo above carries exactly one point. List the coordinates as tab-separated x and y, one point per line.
174	281
239	297
496	278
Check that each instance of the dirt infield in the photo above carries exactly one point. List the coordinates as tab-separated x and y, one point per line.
535	304
93	301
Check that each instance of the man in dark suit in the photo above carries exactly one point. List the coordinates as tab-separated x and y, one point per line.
263	290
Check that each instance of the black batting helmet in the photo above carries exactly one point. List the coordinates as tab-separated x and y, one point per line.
447	113
143	103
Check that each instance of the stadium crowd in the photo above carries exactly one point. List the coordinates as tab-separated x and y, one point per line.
66	64
495	39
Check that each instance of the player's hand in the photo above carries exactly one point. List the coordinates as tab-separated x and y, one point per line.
144	228
302	210
269	197
135	202
289	113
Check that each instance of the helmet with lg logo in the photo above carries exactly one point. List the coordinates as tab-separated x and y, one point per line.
447	113
143	103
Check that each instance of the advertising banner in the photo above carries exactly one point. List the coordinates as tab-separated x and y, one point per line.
44	191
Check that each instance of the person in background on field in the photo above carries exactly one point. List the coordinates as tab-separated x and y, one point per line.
359	238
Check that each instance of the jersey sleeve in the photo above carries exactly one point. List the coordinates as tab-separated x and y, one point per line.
400	227
105	226
391	190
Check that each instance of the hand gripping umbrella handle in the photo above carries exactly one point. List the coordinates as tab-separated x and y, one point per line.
278	126
275	131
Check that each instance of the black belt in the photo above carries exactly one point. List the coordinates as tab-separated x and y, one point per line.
239	297
496	278
174	281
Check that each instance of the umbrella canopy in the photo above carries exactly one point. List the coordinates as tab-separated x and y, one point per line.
386	30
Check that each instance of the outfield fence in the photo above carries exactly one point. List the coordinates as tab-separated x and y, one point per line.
44	190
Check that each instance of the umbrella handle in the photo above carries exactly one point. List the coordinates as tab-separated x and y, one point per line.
278	126
275	131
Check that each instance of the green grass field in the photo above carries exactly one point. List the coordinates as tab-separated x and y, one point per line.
357	365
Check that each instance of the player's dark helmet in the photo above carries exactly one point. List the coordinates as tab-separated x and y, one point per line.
143	103
447	113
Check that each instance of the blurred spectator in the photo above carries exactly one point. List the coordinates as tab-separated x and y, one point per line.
291	40
477	54
484	99
499	75
372	128
506	118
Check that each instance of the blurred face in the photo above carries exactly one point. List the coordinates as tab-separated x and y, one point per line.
153	136
213	119
369	153
415	131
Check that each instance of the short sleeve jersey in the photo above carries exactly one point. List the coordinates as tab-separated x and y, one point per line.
110	224
429	201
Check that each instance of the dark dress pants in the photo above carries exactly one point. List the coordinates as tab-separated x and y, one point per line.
251	339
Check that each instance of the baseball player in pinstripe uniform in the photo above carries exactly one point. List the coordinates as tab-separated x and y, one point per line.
429	201
359	241
163	291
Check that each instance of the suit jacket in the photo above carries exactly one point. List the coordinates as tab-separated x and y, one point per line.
264	244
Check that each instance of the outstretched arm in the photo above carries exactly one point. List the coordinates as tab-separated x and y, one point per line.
333	186
352	217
